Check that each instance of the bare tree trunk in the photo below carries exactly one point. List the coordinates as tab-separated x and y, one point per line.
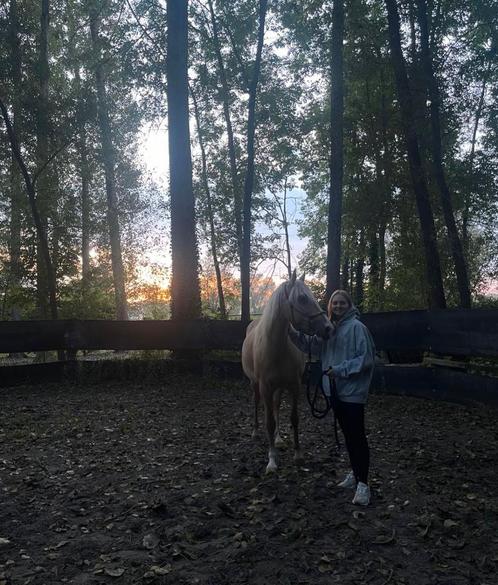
374	271
286	232
466	208
212	230
109	169
42	134
245	265
345	284
85	209
84	172
16	192
382	263
437	156
185	293
336	150
232	153
40	230
359	291
432	262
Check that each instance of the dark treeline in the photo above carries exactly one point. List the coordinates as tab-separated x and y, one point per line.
375	119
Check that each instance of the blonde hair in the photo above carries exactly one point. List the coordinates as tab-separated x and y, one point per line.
345	294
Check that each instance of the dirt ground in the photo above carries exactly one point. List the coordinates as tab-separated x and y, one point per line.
162	483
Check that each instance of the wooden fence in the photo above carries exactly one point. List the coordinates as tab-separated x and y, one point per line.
446	332
404	336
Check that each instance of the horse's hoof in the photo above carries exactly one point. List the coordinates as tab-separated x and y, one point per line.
271	467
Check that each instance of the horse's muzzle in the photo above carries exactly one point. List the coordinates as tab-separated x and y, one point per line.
326	332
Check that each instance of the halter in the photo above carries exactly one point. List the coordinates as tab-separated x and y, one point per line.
295	309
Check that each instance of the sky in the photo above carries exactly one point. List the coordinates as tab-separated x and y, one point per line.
154	150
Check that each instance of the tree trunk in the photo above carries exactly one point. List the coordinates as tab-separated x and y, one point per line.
232	153
84	172
345	273
42	134
374	272
466	207
40	229
109	169
85	209
382	263
286	233
336	149
212	230
245	265
16	192
359	289
432	262
185	293
437	159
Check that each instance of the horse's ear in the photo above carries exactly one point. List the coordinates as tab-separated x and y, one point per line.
293	278
302	277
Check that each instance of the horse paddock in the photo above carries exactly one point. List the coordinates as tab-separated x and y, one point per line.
162	483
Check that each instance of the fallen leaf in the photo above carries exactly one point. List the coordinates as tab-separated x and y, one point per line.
150	541
157	570
118	572
385	539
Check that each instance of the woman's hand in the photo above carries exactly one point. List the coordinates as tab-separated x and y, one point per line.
330	372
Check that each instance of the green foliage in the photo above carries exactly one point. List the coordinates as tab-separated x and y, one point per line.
381	242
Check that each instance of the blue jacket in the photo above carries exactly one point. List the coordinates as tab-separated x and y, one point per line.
349	351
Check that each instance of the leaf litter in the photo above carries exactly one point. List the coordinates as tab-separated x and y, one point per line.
163	484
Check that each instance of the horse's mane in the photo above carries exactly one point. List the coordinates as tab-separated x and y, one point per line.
272	308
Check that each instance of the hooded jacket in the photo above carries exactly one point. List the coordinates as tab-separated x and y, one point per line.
349	352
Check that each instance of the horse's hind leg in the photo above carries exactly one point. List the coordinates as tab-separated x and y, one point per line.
256	395
270	429
298	457
276	413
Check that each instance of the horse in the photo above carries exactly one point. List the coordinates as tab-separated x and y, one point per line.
272	362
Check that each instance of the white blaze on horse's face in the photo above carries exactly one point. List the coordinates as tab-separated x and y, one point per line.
305	313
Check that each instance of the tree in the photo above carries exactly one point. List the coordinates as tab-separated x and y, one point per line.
245	264
437	157
16	193
432	262
210	211
109	166
185	294
336	150
40	228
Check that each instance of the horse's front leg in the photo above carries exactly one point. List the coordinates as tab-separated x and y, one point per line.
298	456
256	395
276	413
270	428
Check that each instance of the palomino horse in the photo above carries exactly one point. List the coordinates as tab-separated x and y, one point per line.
271	361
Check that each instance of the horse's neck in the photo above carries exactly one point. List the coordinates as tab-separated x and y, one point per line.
275	329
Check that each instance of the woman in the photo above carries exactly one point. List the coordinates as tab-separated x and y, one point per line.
348	356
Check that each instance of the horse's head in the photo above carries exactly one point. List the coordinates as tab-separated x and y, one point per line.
306	315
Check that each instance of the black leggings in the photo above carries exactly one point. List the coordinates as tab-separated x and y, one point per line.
351	417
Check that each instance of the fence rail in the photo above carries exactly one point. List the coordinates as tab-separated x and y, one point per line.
456	332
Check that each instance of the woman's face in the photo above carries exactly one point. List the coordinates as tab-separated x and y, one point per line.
340	306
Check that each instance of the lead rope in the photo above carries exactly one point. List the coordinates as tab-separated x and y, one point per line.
313	394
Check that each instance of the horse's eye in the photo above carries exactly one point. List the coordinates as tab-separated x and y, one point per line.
302	299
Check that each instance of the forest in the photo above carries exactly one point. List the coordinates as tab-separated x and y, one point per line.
365	130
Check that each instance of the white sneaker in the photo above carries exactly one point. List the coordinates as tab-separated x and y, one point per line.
348	482
362	495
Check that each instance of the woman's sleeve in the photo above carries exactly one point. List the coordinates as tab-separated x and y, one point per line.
363	354
303	342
